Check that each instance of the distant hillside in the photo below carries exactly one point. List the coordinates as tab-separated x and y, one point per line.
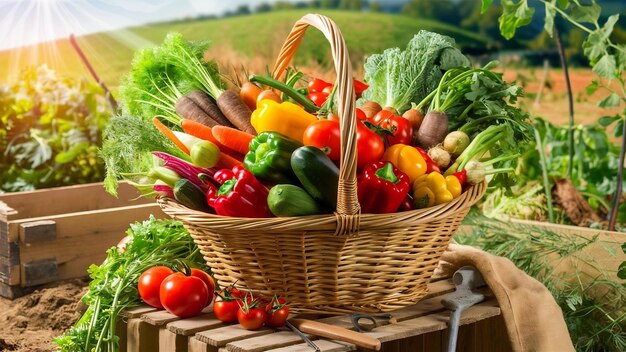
256	35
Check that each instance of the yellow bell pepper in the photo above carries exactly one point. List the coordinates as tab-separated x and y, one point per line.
407	159
286	118
434	189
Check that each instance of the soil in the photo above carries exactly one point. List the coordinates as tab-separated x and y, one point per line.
30	323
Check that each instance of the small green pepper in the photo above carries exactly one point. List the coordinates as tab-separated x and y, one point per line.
269	157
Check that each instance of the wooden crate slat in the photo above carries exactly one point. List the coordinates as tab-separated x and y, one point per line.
433	322
439	287
40	272
324	346
137	311
263	343
159	318
37	231
196	345
10	270
172	342
221	336
190	326
141	336
69	199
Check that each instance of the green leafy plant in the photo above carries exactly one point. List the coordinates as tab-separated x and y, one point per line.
113	286
607	58
49	131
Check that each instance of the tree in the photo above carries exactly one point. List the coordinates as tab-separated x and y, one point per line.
442	10
375	7
351	4
242	10
264	7
329	4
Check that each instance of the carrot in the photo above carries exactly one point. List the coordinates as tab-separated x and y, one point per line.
234	139
201	131
188	109
205	102
235	110
249	93
169	134
227	162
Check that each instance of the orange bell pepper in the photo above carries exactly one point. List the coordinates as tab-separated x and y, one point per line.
407	159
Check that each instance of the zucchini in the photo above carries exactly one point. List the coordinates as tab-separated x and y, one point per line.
290	200
190	195
317	173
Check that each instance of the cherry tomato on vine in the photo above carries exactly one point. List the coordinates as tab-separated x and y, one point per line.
208	281
277	313
251	318
121	245
398	125
149	284
317	85
370	146
182	295
327	90
227	304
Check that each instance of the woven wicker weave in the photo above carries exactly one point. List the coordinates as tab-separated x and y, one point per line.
337	263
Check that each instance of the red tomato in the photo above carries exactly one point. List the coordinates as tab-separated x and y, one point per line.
150	283
317	85
325	135
227	304
208	281
121	245
183	296
370	146
251	318
398	125
327	90
318	98
277	313
359	87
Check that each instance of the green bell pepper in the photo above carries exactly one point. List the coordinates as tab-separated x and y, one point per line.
269	157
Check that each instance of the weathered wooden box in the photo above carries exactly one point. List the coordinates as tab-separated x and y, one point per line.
55	234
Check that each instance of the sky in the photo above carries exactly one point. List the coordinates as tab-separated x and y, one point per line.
25	22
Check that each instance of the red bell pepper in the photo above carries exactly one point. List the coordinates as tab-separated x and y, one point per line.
398	125
359	87
382	188
240	194
431	166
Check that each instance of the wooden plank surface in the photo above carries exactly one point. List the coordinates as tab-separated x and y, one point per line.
137	311
324	346
159	318
221	336
69	199
422	327
141	336
83	238
190	326
264	343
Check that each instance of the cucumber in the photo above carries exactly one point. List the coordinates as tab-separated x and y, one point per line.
290	200
190	195
317	173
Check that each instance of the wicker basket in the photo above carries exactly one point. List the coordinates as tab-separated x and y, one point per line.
337	263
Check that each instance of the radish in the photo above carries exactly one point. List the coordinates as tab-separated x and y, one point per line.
456	142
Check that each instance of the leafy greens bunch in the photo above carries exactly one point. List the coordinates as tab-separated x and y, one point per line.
49	131
113	288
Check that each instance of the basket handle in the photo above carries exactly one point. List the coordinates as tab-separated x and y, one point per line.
348	209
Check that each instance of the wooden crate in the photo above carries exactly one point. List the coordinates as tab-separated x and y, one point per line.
55	234
422	327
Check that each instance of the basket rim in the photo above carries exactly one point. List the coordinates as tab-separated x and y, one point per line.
325	222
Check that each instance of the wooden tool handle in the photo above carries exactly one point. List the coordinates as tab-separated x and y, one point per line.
336	333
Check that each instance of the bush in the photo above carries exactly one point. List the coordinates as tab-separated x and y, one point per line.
49	131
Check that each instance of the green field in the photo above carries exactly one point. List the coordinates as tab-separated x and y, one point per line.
256	36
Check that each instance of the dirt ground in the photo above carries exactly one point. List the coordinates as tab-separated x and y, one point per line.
29	323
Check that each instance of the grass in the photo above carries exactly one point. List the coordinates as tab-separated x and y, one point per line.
256	37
